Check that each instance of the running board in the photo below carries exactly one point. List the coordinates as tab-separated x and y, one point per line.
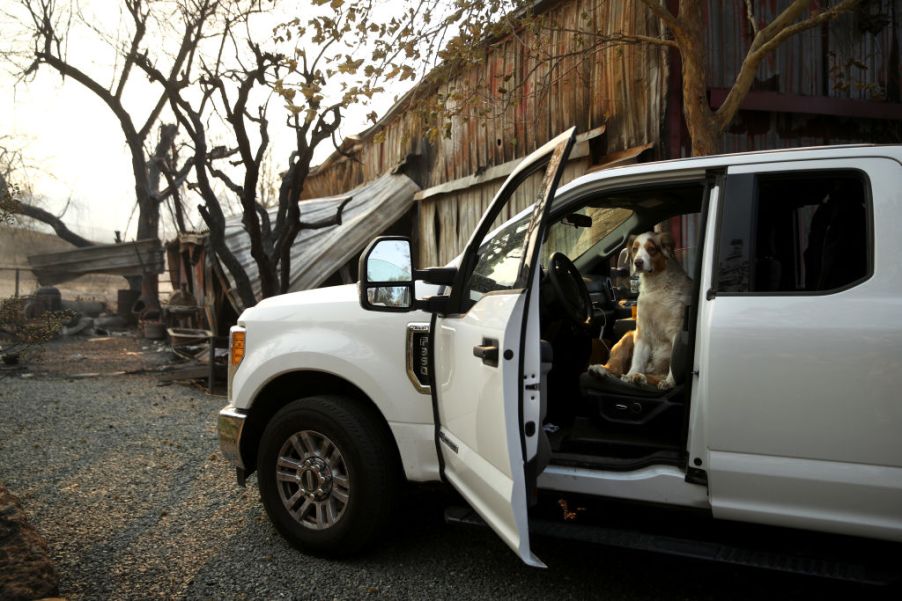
819	567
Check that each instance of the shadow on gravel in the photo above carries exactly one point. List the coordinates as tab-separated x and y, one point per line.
423	558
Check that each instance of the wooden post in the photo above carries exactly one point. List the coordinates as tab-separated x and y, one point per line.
211	375
17	282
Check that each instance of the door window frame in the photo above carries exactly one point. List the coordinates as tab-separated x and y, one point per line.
458	303
754	172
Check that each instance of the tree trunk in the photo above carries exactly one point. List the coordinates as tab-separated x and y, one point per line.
149	210
704	132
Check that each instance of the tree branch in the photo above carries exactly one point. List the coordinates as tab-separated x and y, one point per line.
665	15
768	39
751	17
328	221
221	176
175	180
21	208
140	29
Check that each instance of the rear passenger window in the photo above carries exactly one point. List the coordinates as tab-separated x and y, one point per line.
799	232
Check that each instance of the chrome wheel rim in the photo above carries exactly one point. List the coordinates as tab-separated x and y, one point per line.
312	479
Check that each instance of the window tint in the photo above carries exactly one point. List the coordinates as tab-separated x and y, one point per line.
799	232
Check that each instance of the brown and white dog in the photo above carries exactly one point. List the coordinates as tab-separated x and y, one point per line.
664	293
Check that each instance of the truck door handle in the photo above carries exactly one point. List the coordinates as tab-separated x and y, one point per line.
487	351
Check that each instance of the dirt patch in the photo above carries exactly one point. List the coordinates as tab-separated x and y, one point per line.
83	356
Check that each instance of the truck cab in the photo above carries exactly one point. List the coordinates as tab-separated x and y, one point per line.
784	408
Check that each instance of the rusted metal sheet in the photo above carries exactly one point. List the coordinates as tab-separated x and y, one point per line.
128	258
318	253
853	58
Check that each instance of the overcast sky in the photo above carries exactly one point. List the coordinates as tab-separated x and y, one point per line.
76	148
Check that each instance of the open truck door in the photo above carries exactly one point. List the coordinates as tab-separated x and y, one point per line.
487	358
485	351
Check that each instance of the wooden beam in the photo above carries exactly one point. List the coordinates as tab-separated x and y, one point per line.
762	100
580	150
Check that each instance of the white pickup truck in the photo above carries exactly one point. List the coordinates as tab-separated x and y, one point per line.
787	409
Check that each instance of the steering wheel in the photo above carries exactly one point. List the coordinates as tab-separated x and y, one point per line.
570	289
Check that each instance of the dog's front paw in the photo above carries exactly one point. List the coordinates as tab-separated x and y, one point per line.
666	384
634	378
598	371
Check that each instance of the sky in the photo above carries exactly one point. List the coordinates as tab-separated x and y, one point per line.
74	146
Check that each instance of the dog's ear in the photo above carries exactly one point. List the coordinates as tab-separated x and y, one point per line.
629	243
665	241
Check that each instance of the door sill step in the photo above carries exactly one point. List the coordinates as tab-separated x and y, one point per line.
735	554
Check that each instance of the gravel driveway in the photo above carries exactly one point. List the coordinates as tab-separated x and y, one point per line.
124	479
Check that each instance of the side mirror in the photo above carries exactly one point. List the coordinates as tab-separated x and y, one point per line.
385	281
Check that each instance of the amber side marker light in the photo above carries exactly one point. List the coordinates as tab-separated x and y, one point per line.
236	348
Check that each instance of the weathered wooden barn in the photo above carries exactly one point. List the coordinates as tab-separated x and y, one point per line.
839	83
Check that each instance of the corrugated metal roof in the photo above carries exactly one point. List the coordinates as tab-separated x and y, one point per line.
317	254
854	56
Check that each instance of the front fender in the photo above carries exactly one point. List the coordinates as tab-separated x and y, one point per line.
373	360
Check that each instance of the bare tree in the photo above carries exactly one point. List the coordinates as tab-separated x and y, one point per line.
320	66
219	78
49	23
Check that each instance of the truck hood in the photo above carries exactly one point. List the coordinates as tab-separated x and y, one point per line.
335	299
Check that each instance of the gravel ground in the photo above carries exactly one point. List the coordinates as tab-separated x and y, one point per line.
124	479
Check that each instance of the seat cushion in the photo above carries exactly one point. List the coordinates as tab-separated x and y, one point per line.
614	385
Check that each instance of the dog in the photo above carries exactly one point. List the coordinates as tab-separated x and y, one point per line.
664	293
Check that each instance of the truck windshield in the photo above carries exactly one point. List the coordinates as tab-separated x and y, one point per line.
573	241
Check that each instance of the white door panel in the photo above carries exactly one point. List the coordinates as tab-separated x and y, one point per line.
476	412
806	377
800	410
488	404
849	498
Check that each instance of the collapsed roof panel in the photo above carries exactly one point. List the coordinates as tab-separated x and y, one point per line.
318	253
127	258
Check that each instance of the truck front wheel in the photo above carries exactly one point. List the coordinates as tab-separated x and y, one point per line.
327	475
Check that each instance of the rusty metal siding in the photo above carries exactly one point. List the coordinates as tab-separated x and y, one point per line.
761	130
318	253
855	56
622	87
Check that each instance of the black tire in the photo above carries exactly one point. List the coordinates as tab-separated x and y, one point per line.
362	486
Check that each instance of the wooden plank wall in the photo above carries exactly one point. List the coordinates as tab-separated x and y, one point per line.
622	87
446	222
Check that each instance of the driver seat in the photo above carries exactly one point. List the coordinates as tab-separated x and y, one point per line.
620	402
